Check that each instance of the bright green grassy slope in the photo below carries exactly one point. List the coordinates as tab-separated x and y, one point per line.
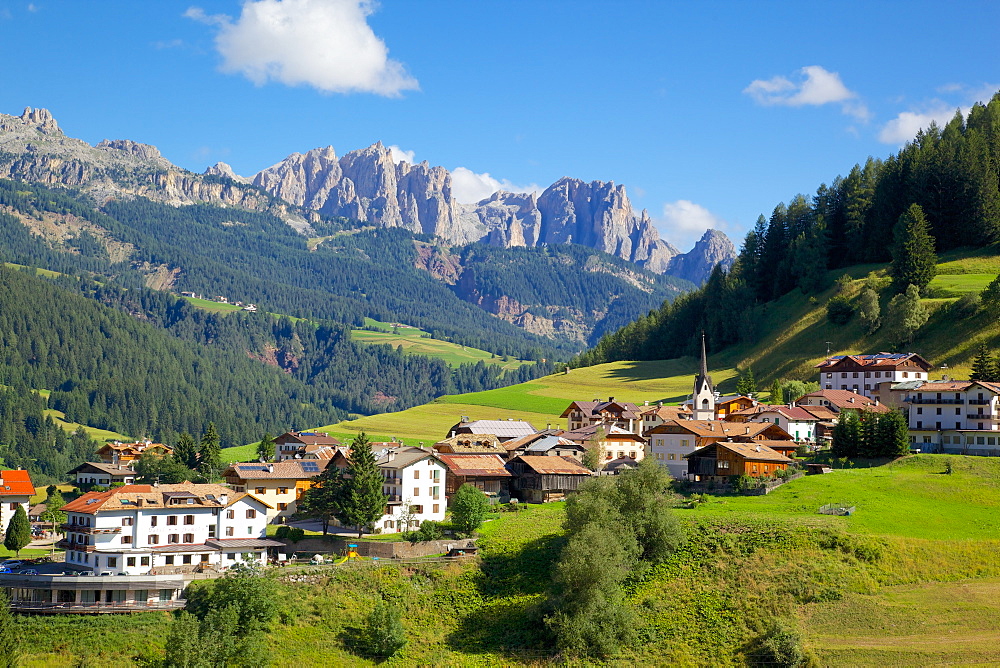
212	306
99	435
418	342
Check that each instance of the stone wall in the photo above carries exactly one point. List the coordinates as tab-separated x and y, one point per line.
380	549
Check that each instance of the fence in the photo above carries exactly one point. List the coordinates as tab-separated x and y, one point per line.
837	509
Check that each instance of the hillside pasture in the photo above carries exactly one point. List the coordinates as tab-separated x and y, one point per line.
417	342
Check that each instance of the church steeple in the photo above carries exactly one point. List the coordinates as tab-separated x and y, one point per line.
703	398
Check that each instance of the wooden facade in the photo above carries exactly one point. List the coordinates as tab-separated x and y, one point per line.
540	479
726	459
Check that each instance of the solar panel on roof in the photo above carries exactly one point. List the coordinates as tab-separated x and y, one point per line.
254	468
310	467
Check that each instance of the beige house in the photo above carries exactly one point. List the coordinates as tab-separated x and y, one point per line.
278	484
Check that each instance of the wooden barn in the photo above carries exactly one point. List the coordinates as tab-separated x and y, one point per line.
541	478
728	458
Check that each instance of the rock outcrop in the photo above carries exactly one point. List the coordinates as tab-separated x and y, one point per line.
696	266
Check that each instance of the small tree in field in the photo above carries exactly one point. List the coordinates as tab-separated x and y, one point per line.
383	634
265	449
469	508
18	531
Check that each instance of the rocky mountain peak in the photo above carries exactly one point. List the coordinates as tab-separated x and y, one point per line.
226	171
713	248
142	151
41	118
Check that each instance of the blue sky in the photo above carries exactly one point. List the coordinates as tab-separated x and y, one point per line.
710	113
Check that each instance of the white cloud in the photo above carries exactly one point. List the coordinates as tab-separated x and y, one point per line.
905	126
815	87
399	155
470	187
683	222
32	7
326	44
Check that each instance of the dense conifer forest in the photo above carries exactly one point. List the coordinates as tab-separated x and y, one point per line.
950	173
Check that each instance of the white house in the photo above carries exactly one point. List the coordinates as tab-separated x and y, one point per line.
414	481
149	529
797	421
15	490
861	373
97	473
961	417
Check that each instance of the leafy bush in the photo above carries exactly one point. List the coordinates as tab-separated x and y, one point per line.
839	310
429	530
469	508
281	533
383	634
295	534
780	645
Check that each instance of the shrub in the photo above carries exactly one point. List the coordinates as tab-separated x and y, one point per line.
295	534
839	310
429	530
780	645
281	533
469	508
383	634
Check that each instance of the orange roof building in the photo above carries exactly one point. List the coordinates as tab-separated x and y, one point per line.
16	489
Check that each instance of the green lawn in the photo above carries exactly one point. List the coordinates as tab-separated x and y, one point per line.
99	435
956	285
418	342
212	306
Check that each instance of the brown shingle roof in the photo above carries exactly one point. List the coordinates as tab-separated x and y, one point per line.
548	465
297	469
754	452
847	399
627	410
474	465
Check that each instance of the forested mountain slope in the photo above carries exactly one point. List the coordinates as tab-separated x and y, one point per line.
951	173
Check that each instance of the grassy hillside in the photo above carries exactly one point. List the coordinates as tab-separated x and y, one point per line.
880	587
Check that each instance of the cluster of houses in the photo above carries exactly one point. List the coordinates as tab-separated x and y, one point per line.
158	529
222	299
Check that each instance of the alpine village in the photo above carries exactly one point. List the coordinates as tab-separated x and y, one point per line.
329	415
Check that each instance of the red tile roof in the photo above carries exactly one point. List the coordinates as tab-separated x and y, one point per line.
547	465
16	483
474	464
846	399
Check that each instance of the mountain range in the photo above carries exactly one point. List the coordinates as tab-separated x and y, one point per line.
365	185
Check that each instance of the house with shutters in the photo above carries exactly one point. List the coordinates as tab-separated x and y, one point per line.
618	446
95	473
799	422
955	416
16	490
414	480
622	414
671	442
150	529
279	484
116	452
304	445
861	373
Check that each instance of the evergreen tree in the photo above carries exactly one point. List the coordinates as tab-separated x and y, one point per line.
10	634
776	397
905	316
990	297
363	502
913	256
847	435
869	310
186	452
265	449
893	435
746	385
18	531
984	366
209	455
469	508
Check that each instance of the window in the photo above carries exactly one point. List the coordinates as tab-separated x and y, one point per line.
722	464
187	559
190	502
258	490
174	538
416	491
126	521
417	510
189	519
230	514
671	456
843	375
437	475
169	561
958	411
878	374
153	539
249	531
189	538
204	558
920	411
152	521
608	456
282	506
126	540
437	508
632	455
112	562
920	425
130	561
416	474
829	375
939	411
906	375
229	531
282	490
144	561
854	375
251	513
172	520
231	556
684	442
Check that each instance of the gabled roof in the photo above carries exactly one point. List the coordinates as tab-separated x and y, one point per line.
546	443
528	439
666	412
793	413
116	470
401	457
297	469
131	497
719	428
876	361
502	429
546	465
474	464
754	452
307	438
16	483
611	432
847	399
597	408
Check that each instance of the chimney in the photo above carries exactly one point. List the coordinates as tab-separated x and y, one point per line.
611	399
270	468
851	400
645	403
946	378
138	503
224	499
748	429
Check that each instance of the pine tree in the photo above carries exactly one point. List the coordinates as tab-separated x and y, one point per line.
913	256
265	449
186	452
776	396
18	531
209	455
746	385
847	435
363	502
10	634
984	366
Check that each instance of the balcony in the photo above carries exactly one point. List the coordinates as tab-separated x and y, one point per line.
79	547
984	418
929	400
979	402
79	528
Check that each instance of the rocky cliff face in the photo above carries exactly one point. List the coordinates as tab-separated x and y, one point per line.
696	266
